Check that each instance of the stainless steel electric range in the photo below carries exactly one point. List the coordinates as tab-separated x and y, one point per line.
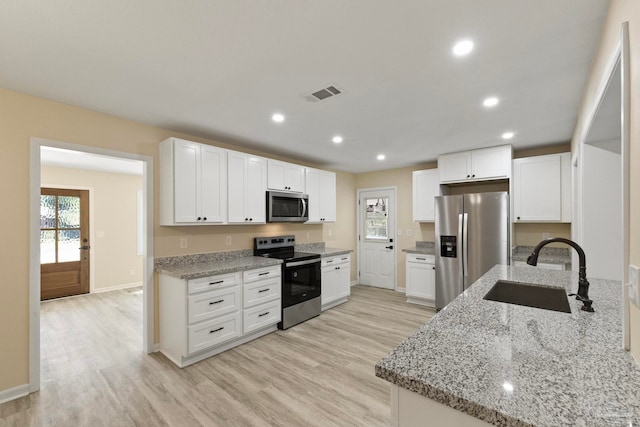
301	285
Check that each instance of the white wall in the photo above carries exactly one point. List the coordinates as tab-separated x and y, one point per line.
602	212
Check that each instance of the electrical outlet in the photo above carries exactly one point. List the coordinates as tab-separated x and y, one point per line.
183	243
409	232
545	236
634	292
399	232
306	235
330	232
132	272
228	240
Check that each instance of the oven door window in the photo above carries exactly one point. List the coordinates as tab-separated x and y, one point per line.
300	283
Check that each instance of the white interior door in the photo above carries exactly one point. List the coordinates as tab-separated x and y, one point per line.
377	260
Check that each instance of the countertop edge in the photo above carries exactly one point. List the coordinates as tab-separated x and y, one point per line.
251	264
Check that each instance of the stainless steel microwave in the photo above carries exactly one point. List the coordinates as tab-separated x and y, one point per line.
287	207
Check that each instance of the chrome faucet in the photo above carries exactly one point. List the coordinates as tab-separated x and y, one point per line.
583	283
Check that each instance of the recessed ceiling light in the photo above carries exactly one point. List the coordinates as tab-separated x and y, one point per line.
278	118
462	48
492	101
507	135
337	139
381	157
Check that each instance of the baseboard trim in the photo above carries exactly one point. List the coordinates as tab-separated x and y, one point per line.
354	282
117	287
14	393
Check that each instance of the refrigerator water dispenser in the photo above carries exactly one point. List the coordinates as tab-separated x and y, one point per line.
448	246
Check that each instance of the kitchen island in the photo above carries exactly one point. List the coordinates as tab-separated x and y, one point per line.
480	361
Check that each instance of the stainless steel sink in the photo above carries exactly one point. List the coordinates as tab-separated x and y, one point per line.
530	295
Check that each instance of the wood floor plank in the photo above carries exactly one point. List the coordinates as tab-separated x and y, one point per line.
319	373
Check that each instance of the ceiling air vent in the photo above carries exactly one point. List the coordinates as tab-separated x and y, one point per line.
324	93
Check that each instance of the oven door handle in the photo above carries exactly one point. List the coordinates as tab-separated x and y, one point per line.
297	263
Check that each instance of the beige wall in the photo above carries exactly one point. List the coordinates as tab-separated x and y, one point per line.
619	12
23	117
114	222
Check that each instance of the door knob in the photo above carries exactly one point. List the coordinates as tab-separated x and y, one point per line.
84	248
389	247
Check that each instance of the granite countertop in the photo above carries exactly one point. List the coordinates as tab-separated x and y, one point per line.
547	255
425	248
195	266
189	267
520	366
327	252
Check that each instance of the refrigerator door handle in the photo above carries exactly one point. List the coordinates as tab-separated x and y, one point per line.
461	255
465	245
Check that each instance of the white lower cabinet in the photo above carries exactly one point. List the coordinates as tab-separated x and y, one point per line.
421	279
336	280
205	316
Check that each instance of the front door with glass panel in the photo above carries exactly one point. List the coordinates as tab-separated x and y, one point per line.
64	243
377	236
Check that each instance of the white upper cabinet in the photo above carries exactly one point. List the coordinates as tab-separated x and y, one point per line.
426	186
247	178
285	176
542	188
476	165
193	183
321	188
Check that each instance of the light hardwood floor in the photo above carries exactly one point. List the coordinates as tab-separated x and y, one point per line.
319	373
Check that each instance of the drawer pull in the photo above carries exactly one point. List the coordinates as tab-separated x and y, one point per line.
263	290
422	259
216	302
216	283
264	274
330	261
343	259
216	330
263	314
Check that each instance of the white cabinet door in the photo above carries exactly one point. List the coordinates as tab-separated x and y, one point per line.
421	279
193	186
336	280
538	188
426	186
247	186
186	157
285	176
321	188
213	188
491	163
455	166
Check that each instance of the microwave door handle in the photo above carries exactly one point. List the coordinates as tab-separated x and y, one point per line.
304	207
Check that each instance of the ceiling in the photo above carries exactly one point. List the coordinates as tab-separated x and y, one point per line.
220	69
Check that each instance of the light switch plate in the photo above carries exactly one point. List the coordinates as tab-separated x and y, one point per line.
183	243
409	232
634	292
399	231
227	240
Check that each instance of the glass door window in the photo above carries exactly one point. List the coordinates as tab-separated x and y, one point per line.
59	228
376	221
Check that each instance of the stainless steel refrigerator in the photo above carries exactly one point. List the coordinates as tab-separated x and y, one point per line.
472	235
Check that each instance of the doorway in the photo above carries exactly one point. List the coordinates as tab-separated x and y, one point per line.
376	237
601	184
35	250
64	243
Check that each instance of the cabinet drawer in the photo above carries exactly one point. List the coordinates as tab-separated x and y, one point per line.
206	305
213	282
206	334
424	259
339	259
261	316
261	292
261	273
